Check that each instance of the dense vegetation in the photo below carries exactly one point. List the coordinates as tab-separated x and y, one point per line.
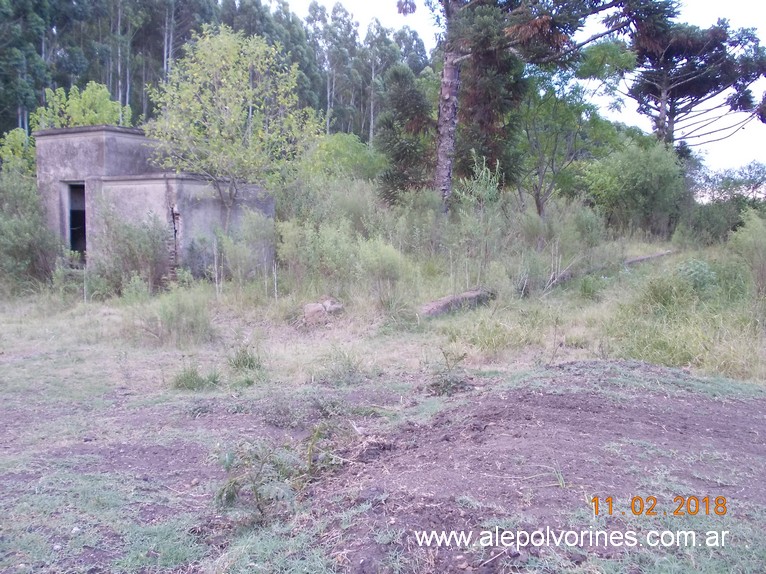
349	134
399	177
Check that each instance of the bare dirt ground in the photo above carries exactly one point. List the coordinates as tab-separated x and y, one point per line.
118	479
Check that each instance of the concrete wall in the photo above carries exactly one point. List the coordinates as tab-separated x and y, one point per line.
74	155
200	213
113	163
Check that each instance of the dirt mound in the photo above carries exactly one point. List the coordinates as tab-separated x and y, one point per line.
535	454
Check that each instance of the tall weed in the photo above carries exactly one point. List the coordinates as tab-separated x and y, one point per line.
180	317
749	242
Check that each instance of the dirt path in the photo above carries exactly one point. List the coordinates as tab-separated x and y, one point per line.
535	455
116	488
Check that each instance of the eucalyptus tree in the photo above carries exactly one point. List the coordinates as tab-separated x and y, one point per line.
381	53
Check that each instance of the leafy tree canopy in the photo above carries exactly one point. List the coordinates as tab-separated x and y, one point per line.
682	69
91	107
230	113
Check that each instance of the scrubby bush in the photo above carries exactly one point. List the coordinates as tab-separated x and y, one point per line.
27	248
248	252
344	155
127	250
191	379
180	317
749	242
640	186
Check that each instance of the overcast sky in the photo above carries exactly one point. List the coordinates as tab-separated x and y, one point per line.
747	145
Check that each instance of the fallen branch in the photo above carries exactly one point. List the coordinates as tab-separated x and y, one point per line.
467	300
567	275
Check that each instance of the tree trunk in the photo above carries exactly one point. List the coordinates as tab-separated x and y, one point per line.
447	124
329	103
144	94
372	103
119	57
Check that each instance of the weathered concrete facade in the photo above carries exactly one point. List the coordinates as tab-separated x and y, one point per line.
80	171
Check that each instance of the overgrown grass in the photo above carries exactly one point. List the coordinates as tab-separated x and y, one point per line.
191	379
700	314
179	317
703	311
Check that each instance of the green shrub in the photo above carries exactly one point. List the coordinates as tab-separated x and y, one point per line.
179	317
749	242
127	250
591	287
263	476
27	248
344	155
383	266
190	379
699	275
667	294
340	368
249	363
248	252
639	186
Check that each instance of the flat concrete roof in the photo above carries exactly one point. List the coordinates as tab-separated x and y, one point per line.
89	129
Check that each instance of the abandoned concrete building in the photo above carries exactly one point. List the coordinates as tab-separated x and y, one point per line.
81	170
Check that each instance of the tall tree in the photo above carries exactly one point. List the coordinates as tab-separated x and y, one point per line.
689	78
490	88
559	128
537	32
412	48
404	133
23	71
381	52
230	114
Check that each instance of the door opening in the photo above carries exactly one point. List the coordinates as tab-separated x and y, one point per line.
77	234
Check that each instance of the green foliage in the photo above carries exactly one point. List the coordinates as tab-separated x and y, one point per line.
283	29
482	189
230	112
384	266
340	368
263	475
248	363
180	317
248	251
404	133
683	67
491	86
702	313
708	223
698	274
749	242
190	379
345	156
127	250
93	106
638	187
17	153
607	61
560	129
591	287
449	377
27	248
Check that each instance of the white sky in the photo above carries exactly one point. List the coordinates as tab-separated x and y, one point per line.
745	146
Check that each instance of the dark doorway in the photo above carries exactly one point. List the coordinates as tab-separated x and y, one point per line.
77	218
